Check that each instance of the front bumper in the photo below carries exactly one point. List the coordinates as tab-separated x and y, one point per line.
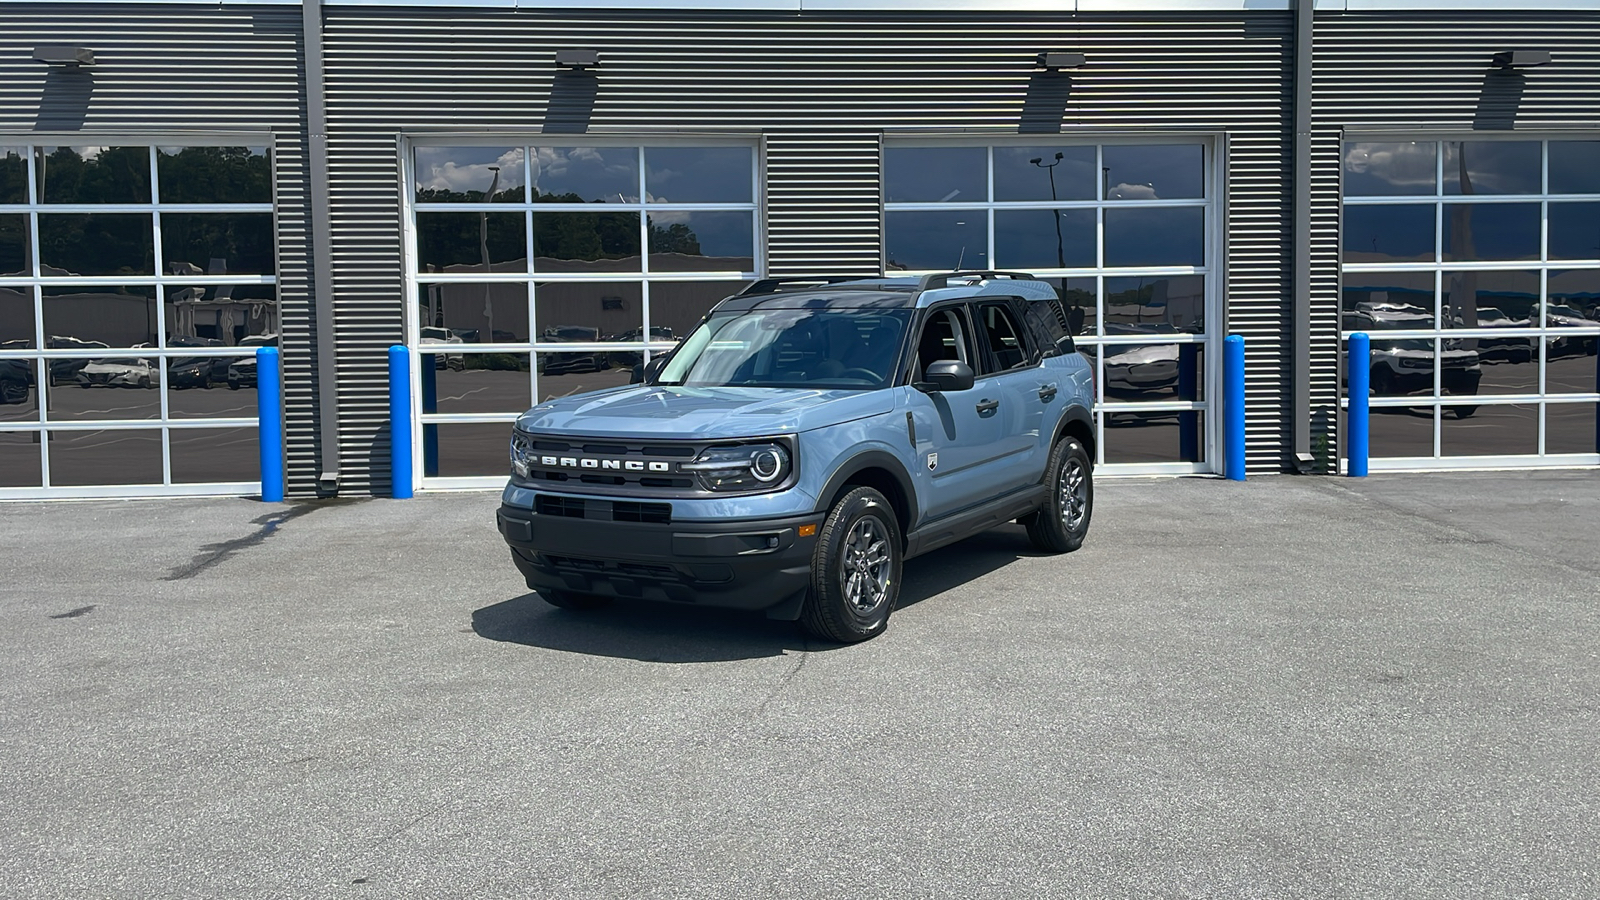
760	564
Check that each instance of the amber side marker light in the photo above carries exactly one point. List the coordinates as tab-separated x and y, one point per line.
807	530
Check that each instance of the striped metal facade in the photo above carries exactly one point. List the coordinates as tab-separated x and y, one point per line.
166	69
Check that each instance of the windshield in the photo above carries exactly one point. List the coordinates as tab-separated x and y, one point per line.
818	348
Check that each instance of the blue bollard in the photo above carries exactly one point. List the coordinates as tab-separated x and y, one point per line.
1358	375
1233	406
400	422
269	419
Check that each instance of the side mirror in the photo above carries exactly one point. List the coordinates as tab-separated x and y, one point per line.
946	375
648	372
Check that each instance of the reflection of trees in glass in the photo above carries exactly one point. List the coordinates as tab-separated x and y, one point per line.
454	239
113	175
14	245
675	238
13	176
99	244
243	243
215	175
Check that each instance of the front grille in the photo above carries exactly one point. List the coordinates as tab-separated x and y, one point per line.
610	567
603	510
611	480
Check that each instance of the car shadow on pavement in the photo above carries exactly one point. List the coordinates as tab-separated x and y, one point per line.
660	632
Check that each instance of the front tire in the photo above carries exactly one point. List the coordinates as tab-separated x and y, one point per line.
855	570
1063	523
574	601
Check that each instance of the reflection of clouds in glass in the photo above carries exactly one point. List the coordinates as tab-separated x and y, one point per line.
442	169
1403	165
1132	192
698	174
606	174
1493	167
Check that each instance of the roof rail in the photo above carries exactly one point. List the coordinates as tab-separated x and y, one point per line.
773	285
942	279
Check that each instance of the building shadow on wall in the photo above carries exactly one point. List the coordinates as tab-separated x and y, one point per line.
1045	103
571	102
1499	100
65	103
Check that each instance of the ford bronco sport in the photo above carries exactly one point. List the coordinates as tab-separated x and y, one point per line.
805	440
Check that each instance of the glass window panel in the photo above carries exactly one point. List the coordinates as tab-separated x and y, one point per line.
1489	430
469	449
1398	431
676	307
1387	300
1477	231
1152	372
699	174
472	242
1156	237
211	455
1491	167
1154	437
18	400
1379	234
1509	365
217	243
586	242
13	175
465	174
1387	169
93	174
99	316
1153	172
936	240
576	372
702	241
190	383
1571	428
1477	299
935	175
1079	301
1572	373
19	459
1577	290
477	383
1575	231
16	318
1044	238
221	315
105	456
487	313
97	244
214	174
1575	167
16	247
1155	304
1403	367
571	312
1044	173
586	174
105	387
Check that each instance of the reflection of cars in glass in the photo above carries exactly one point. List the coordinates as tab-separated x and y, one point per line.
16	379
1558	315
118	372
242	373
433	334
1492	349
1406	366
559	363
627	359
196	371
65	371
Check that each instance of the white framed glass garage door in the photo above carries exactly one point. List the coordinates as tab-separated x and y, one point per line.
1126	230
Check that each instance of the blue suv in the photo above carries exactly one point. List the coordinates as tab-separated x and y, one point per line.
803	442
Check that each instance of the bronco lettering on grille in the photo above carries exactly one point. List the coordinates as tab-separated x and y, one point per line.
589	462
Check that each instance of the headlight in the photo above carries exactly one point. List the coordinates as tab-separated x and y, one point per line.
746	467
519	453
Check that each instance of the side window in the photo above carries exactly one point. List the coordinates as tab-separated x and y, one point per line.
944	336
1007	350
1050	326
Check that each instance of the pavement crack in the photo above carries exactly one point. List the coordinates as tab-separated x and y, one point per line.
75	613
212	555
788	677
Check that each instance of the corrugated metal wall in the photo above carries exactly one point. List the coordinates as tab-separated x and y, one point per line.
164	69
823	88
1414	71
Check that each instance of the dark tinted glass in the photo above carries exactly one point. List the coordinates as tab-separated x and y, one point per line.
1388	234
1571	428
1493	430
1151	372
1571	372
1155	305
1155	237
210	455
217	243
99	244
1577	290
1477	231
936	240
1079	303
569	312
18	400
1491	167
586	242
702	242
567	374
1153	172
214	174
699	174
461	242
104	387
1575	167
198	388
465	174
1028	238
1405	366
93	174
1575	231
676	307
13	175
1154	437
1509	365
224	315
1018	177
477	383
101	316
15	245
19	459
105	456
935	175
16	318
586	174
466	450
1386	169
1372	299
1398	431
473	313
1475	299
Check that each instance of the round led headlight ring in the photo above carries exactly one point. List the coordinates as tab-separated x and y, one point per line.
766	464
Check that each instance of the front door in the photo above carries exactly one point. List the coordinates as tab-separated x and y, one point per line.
958	434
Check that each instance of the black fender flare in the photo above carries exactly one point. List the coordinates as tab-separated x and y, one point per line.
874	459
1075	413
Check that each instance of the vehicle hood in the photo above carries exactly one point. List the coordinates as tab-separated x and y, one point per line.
643	411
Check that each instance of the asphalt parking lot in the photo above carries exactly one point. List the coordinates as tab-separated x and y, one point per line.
1292	687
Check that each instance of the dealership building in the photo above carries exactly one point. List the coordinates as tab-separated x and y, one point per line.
533	197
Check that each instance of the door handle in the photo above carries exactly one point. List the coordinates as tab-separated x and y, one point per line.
987	406
1047	392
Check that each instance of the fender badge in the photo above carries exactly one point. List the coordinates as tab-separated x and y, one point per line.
933	461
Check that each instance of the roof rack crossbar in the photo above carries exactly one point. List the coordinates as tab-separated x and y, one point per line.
773	285
942	279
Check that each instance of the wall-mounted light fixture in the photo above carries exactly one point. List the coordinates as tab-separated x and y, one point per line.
1521	59
577	59
1055	62
70	57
